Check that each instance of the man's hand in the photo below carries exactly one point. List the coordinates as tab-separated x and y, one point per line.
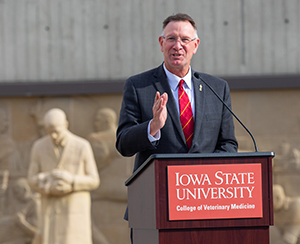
20	217
60	188
63	175
159	111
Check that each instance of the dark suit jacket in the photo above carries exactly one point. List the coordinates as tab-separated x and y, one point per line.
213	132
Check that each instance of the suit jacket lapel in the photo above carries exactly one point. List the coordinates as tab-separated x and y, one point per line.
51	152
67	151
162	86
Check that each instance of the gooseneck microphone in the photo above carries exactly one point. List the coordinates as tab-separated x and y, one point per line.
197	75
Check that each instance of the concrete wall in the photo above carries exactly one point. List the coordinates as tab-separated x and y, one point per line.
273	117
49	40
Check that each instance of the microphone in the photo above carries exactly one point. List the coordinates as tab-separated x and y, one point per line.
197	75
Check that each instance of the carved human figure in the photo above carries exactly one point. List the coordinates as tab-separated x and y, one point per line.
10	165
103	139
9	158
62	168
21	226
111	197
288	158
6	143
286	216
4	177
26	217
103	144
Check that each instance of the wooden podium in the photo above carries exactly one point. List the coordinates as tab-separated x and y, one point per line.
149	199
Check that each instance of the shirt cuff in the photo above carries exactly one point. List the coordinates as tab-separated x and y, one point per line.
154	138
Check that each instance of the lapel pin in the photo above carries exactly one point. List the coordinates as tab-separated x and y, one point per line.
200	88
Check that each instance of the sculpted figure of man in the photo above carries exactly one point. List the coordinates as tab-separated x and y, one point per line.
63	170
104	138
109	200
286	216
20	226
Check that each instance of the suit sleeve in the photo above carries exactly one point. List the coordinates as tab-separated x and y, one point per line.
89	180
132	135
33	169
34	174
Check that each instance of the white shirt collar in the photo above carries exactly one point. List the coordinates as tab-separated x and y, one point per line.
174	79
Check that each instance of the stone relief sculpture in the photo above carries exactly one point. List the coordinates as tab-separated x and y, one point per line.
4	176
111	198
287	159
286	216
21	226
10	170
9	157
286	170
63	170
103	139
10	165
19	206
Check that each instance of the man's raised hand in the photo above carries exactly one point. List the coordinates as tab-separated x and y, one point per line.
159	111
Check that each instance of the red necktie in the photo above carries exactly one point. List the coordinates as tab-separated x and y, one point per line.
186	114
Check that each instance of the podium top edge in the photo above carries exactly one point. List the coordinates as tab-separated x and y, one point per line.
196	155
210	155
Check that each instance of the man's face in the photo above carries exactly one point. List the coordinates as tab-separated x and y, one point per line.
100	122
177	56
22	191
278	198
57	131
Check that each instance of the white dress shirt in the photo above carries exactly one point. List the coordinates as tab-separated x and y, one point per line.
173	82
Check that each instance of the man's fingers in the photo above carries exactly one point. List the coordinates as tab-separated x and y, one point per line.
160	102
164	98
157	96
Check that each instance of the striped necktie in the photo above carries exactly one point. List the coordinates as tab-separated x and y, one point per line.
186	114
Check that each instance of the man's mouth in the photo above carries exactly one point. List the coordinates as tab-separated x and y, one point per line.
177	56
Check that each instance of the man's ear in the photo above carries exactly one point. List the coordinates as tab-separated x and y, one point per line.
197	43
160	40
67	124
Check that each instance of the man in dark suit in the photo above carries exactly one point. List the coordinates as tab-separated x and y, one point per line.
150	122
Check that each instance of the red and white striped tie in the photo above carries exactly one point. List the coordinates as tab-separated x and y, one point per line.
186	114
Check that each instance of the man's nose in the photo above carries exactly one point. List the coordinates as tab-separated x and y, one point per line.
53	134
177	45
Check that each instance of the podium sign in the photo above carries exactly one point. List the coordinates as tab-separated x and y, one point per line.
219	191
202	198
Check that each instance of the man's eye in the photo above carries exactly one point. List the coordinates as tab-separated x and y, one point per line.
185	40
171	39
